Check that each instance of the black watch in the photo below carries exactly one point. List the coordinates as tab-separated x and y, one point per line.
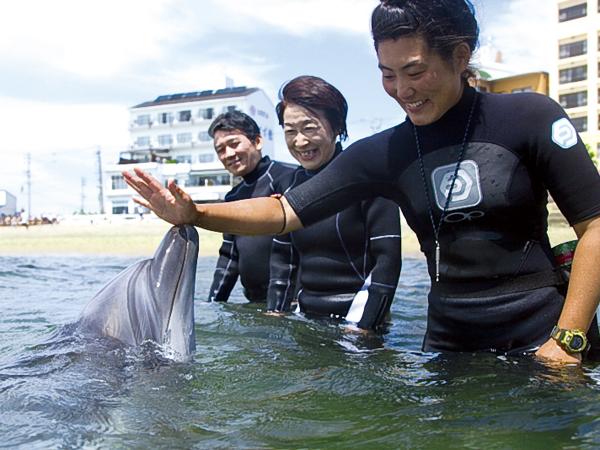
572	341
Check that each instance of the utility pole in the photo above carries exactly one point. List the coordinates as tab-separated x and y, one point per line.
82	210
100	181
28	176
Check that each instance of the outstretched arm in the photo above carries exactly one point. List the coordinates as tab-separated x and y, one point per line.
248	217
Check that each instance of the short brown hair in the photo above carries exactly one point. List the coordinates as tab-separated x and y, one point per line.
318	96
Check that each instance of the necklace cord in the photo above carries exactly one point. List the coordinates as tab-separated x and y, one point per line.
437	228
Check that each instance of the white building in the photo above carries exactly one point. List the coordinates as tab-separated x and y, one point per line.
576	81
169	139
8	203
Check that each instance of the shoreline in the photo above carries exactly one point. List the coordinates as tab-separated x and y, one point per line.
141	238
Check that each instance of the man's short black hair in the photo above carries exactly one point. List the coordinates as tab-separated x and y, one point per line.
235	120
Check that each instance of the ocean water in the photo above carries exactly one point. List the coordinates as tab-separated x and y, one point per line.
258	381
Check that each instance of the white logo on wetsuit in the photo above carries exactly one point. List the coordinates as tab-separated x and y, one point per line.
467	188
563	133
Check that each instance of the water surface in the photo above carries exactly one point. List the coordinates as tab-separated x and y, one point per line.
265	382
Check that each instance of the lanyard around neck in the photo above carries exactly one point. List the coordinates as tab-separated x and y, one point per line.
436	227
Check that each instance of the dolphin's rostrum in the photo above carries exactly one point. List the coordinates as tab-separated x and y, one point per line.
152	299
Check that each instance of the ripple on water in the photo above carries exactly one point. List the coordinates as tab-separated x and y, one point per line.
259	381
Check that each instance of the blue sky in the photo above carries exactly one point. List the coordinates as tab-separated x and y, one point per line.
72	68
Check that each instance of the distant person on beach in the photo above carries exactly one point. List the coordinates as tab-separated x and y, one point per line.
349	263
238	144
471	172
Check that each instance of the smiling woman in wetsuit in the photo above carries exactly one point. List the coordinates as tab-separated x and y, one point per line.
350	262
471	172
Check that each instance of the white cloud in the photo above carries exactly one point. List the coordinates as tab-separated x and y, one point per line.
212	75
38	126
87	38
522	30
301	17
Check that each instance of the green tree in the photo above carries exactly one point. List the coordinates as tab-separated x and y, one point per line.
593	154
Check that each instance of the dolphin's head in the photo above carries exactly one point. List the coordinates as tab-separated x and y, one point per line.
173	276
153	299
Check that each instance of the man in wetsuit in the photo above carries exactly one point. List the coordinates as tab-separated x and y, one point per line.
238	144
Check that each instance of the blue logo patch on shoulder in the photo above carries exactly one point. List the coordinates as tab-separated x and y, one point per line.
563	133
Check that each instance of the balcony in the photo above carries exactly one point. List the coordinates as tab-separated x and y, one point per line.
148	155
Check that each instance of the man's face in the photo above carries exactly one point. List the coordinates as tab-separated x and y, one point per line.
238	154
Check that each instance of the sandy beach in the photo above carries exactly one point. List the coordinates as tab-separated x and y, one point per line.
124	237
137	237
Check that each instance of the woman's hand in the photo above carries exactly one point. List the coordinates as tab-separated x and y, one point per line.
553	353
171	204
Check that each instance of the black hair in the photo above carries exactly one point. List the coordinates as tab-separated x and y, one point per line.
235	120
443	24
319	97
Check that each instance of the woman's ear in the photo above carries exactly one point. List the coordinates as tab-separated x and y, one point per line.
461	56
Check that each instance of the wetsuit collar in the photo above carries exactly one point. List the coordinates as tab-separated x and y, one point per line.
457	114
338	150
259	170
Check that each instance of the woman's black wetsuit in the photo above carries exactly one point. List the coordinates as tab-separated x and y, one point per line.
498	288
349	263
247	257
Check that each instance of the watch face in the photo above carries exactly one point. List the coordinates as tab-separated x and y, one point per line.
576	342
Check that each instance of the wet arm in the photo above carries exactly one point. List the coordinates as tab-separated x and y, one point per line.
583	294
283	272
226	272
257	216
383	225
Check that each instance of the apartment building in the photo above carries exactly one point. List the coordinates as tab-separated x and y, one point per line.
169	139
576	81
526	82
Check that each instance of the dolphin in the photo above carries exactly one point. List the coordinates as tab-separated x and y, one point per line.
152	300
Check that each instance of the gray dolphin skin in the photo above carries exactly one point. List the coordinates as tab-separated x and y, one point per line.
152	299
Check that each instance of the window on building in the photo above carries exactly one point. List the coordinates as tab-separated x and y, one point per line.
120	208
572	49
580	124
185	116
143	119
165	140
142	141
118	182
572	12
522	89
204	136
165	118
573	74
573	100
206	113
184	159
209	180
229	108
184	138
206	157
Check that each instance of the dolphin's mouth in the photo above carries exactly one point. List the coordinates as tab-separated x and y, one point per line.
182	230
186	264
